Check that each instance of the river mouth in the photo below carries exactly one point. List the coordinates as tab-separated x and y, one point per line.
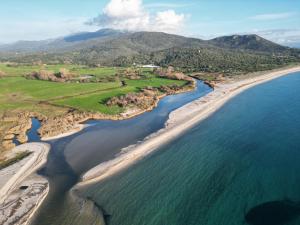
101	141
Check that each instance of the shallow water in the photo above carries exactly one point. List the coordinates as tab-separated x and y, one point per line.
102	140
245	155
32	133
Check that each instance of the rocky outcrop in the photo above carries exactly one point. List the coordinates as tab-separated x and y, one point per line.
170	73
8	144
148	97
131	74
143	99
63	75
65	123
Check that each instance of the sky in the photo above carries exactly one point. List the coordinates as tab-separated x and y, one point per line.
277	20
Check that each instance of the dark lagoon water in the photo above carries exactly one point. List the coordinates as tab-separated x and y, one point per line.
242	163
100	141
32	134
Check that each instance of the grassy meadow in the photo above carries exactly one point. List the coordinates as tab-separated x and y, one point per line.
17	92
20	70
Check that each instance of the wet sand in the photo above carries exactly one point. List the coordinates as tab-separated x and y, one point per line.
22	189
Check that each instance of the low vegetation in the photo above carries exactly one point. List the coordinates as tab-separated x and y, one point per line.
206	60
17	158
55	91
145	98
229	55
68	82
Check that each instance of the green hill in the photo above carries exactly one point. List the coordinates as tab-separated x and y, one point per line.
237	53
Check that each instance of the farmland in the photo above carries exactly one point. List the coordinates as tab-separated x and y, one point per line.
17	92
20	70
22	96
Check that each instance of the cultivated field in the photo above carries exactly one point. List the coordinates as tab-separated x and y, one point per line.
21	94
17	92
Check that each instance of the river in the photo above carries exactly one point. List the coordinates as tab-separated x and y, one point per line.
100	141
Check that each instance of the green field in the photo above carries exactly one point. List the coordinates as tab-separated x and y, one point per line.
21	70
17	92
96	102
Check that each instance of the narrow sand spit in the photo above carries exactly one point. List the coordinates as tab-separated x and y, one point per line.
22	190
76	129
179	121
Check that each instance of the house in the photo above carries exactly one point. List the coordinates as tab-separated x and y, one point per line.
150	66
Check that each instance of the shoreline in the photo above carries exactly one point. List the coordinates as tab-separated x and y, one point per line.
23	190
129	114
77	129
179	122
14	202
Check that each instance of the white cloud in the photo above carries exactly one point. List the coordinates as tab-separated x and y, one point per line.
168	5
287	37
131	15
169	21
124	9
273	16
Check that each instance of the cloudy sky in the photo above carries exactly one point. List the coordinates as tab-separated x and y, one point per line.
277	20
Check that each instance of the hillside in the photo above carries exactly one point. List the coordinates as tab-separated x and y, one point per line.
61	44
248	42
84	36
237	53
210	60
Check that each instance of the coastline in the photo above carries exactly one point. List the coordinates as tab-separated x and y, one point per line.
23	190
130	113
18	206
179	122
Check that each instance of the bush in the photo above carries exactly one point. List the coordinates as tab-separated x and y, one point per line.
2	74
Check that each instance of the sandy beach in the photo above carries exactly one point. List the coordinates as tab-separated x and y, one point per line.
179	122
22	190
128	114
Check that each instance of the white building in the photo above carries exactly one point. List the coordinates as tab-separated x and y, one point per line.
150	66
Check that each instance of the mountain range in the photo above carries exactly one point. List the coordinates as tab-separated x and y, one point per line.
113	47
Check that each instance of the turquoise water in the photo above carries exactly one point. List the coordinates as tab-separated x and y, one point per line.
72	156
246	154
